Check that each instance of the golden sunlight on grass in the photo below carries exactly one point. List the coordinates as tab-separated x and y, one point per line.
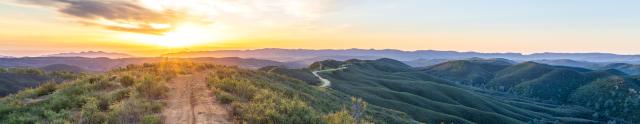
184	35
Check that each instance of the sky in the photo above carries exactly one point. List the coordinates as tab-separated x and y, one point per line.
153	27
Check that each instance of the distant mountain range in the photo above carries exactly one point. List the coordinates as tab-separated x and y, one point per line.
92	54
106	64
1	56
288	55
631	69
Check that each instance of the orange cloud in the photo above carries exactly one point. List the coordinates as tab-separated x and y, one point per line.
119	15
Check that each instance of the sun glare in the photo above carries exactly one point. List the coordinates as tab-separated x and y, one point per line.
184	35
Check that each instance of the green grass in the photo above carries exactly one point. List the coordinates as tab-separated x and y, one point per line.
265	97
432	100
127	95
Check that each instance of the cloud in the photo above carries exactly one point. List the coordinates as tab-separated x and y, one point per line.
119	15
161	16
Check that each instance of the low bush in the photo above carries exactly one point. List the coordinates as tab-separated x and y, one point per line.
46	89
126	81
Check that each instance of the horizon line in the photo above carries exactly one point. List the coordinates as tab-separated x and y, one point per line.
253	49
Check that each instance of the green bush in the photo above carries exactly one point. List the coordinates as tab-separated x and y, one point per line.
151	88
91	113
341	117
151	119
46	89
225	98
126	81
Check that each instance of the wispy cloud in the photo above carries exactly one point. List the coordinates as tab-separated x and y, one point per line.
160	16
120	15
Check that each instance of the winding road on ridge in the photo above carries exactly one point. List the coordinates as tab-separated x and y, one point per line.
326	82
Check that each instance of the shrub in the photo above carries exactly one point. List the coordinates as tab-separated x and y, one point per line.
91	113
151	88
271	107
46	89
341	117
225	98
151	119
126	81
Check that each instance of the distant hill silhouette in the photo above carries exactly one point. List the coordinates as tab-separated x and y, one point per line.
92	54
301	54
425	62
1	56
631	69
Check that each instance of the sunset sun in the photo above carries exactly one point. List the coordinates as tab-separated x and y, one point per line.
183	35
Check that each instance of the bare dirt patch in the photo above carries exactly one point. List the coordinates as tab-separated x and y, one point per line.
190	102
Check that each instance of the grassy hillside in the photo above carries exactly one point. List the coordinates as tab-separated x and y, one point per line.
301	74
429	99
127	95
471	72
135	94
371	91
553	84
16	79
264	97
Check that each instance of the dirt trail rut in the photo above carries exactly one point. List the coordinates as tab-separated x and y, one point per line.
191	102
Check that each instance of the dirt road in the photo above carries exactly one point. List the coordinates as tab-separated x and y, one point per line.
326	82
191	102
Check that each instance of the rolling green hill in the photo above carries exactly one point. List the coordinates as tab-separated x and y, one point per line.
429	99
301	74
554	84
473	72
